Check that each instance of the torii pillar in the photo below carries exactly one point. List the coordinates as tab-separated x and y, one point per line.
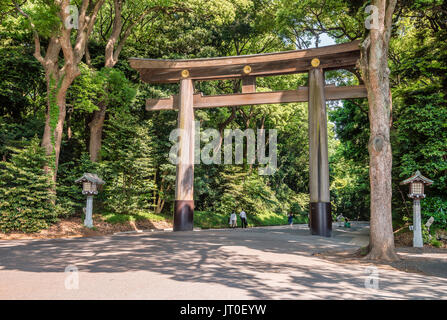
320	202
184	184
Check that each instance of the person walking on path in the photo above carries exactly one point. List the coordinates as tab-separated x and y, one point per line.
290	219
233	220
341	220
243	216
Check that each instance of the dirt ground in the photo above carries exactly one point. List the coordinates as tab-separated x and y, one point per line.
427	260
405	239
73	227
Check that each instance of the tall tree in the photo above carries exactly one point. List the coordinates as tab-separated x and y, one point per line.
375	73
126	16
59	76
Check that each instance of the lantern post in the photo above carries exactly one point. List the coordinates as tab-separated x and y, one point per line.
90	184
417	182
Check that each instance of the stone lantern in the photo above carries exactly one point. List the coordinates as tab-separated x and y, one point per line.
90	182
417	183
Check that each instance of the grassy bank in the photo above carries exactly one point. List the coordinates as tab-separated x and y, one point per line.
207	219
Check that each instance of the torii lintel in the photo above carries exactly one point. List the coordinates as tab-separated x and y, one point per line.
342	56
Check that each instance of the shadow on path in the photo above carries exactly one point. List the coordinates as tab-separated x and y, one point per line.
266	263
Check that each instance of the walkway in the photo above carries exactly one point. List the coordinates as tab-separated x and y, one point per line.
267	263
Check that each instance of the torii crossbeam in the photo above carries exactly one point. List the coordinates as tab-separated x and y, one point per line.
314	61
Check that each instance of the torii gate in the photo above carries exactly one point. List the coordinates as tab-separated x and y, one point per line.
314	61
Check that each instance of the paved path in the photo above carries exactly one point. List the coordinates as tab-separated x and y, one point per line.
268	263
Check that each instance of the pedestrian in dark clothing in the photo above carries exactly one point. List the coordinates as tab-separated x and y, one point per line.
290	219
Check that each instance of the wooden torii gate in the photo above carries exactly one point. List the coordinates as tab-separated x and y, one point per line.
314	61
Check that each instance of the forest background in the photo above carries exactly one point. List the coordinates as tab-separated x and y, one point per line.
106	129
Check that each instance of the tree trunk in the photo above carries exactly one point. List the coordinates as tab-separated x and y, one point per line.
54	121
375	71
115	44
160	205
50	64
111	58
96	126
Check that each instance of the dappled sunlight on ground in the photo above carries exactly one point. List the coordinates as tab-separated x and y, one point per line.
269	263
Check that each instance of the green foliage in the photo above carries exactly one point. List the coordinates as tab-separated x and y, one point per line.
128	167
108	87
435	207
69	193
54	108
87	89
303	22
22	84
123	218
26	204
45	16
352	129
134	162
425	234
211	219
421	122
218	11
350	191
13	134
273	219
243	191
436	243
420	107
299	205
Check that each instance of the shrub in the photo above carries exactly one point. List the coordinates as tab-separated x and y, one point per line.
435	207
128	166
69	193
26	202
436	243
250	193
425	234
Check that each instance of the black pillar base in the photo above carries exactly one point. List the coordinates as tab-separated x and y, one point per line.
320	219
183	215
